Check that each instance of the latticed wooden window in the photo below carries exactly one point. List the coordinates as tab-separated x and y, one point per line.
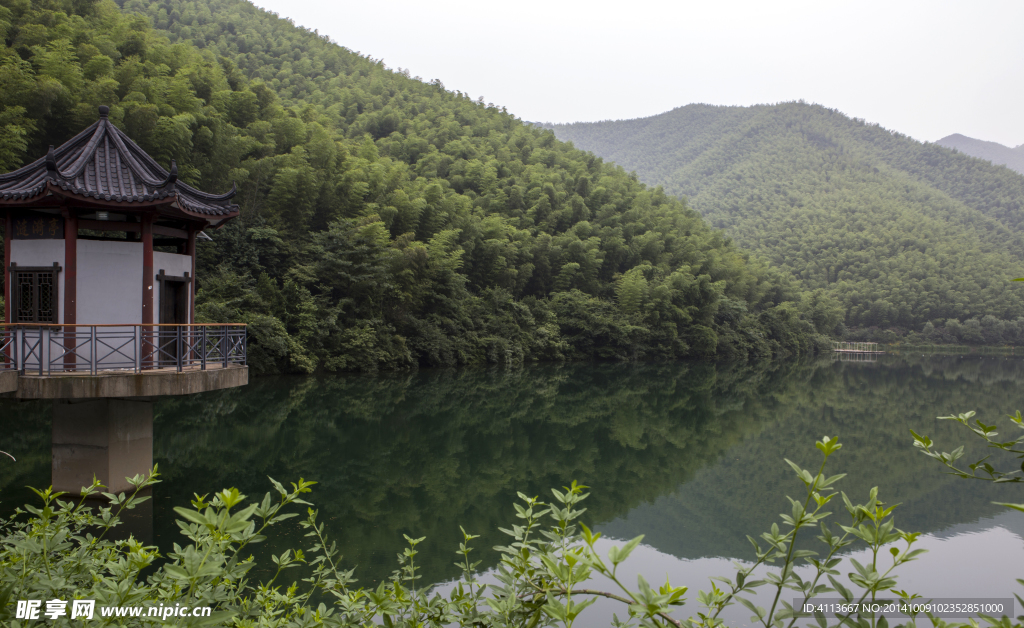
34	294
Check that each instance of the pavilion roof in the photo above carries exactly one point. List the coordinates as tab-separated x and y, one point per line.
102	164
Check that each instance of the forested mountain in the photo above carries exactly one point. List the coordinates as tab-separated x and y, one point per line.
1012	158
386	221
901	233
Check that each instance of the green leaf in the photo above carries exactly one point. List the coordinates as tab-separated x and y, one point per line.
617	555
1019	507
193	516
176	572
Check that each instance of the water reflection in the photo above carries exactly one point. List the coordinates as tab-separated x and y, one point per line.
982	563
688	454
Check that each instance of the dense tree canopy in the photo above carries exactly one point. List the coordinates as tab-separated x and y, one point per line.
386	221
900	232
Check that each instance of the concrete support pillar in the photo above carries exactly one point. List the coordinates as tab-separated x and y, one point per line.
111	438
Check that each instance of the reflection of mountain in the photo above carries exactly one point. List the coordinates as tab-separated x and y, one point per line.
425	453
1010	520
690	454
871	407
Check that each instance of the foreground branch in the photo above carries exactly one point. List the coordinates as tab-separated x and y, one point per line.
665	616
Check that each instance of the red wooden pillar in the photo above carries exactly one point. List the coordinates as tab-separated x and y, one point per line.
147	270
8	294
189	334
70	267
190	250
71	339
149	339
8	291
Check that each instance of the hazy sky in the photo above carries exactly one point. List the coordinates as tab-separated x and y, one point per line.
927	69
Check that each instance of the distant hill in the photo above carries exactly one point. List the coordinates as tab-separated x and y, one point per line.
900	232
1012	158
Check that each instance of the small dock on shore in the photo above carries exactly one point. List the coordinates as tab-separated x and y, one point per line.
861	348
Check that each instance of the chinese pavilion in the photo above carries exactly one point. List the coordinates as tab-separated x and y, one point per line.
83	225
99	300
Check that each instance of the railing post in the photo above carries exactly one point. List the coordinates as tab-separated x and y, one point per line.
224	346
138	348
43	355
92	349
202	351
177	351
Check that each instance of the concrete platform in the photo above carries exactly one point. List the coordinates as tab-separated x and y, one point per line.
8	381
119	384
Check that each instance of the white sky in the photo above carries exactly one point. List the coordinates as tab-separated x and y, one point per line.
924	68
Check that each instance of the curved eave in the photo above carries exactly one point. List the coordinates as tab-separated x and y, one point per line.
213	219
52	194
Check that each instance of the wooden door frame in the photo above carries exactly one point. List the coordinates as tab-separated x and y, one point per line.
185	305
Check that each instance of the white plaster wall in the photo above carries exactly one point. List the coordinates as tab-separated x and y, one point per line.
109	285
42	253
109	292
109	282
174	265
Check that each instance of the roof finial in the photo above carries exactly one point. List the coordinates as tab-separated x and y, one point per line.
51	160
104	110
173	175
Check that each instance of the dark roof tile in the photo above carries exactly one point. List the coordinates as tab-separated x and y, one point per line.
102	162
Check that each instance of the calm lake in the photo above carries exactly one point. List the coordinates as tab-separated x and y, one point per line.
689	454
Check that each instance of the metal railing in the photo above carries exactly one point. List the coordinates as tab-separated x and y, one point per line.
34	349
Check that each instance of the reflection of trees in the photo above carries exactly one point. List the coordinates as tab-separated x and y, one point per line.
25	434
425	452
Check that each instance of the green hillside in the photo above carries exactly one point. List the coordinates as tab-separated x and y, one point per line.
386	221
902	233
